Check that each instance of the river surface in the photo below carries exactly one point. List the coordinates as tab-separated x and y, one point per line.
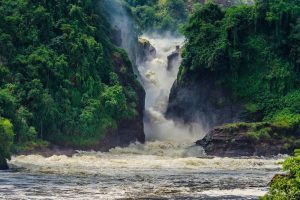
156	170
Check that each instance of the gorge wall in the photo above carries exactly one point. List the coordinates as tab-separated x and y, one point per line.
202	101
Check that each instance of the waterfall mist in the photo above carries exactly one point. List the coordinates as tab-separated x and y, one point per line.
120	19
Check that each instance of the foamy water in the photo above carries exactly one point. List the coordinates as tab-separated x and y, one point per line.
157	80
151	156
156	170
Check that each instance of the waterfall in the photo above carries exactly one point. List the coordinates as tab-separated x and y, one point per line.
158	73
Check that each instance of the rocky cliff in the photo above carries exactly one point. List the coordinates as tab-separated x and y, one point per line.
3	164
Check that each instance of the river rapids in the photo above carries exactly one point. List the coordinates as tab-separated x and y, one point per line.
155	170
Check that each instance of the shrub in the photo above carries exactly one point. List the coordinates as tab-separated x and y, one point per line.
287	187
260	133
286	119
6	140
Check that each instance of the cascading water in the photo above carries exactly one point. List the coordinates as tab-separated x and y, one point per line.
157	78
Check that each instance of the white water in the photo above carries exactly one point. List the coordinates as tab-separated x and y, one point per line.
127	161
157	81
156	170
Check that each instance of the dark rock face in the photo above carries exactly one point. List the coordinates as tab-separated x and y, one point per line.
173	58
145	51
202	101
3	164
238	140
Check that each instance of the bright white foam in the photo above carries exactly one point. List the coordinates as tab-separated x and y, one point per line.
138	157
235	192
157	81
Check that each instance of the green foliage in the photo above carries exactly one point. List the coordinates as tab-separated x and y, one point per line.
251	50
57	78
255	131
286	118
6	140
235	126
257	134
285	137
159	15
287	187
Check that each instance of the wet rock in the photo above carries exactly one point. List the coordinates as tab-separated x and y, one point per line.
248	139
173	58
3	164
145	50
204	101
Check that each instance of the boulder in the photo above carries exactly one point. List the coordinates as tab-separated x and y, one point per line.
3	164
145	50
174	58
249	139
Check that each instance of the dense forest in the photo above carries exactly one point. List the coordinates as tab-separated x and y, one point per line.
62	80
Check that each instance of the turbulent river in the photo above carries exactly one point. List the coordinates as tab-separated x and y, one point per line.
168	166
156	170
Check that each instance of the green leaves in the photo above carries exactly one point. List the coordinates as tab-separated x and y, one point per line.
6	139
286	187
207	46
114	101
159	16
